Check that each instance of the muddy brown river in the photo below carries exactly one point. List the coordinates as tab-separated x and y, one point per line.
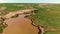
20	25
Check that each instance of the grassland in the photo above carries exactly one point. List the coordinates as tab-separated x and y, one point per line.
14	7
46	15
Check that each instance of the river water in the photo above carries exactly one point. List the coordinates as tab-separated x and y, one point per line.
20	25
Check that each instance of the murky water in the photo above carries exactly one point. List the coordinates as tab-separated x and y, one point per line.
20	25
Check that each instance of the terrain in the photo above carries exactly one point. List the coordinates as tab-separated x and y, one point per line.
46	18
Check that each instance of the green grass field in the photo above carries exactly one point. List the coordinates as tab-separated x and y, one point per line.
48	16
14	7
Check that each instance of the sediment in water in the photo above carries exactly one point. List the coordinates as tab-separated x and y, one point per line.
20	24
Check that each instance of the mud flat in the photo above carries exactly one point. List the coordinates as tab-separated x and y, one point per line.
20	25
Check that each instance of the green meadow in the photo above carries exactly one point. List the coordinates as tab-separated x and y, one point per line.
48	16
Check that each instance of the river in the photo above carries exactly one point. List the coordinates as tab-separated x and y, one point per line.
20	25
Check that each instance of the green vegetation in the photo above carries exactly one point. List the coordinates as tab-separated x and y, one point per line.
1	29
13	7
2	26
48	16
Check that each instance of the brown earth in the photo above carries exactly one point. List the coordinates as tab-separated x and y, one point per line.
2	8
20	25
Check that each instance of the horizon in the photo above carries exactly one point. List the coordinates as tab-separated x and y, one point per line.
30	1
